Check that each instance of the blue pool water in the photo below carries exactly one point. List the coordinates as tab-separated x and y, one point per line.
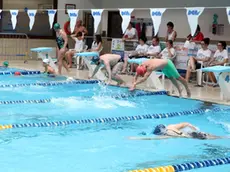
101	147
4	69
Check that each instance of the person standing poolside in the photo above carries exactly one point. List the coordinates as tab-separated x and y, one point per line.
62	46
167	67
171	33
80	28
113	65
177	131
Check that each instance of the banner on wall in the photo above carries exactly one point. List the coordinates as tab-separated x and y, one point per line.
193	16
73	15
228	13
126	17
31	14
156	15
14	14
51	14
97	13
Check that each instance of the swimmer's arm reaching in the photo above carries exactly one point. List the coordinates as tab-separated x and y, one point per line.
135	82
182	126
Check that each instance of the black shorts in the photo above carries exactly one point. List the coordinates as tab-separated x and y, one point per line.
138	57
198	65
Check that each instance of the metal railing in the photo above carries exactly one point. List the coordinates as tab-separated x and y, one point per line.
14	46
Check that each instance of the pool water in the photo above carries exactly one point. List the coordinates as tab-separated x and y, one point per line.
101	147
8	69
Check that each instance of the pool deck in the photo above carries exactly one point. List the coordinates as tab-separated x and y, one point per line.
205	93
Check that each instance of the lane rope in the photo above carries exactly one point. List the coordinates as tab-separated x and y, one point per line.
110	119
22	72
187	166
117	96
55	83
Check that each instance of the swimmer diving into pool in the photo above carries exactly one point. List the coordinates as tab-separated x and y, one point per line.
113	65
176	131
167	67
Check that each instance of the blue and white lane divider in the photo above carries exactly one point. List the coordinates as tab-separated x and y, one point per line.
117	96
187	166
108	120
22	72
201	164
51	83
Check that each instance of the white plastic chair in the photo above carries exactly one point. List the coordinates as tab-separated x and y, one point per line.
78	59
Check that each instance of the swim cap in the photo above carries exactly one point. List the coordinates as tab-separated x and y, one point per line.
141	70
57	26
95	59
6	63
159	129
46	61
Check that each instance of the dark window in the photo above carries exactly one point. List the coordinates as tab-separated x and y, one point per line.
41	28
114	24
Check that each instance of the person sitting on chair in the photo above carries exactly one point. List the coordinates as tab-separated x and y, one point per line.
169	52
97	44
79	44
203	55
219	59
155	49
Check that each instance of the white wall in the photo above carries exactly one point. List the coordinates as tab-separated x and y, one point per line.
162	3
21	4
179	18
80	4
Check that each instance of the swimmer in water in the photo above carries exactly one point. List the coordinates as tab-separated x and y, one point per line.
48	69
176	131
113	65
167	67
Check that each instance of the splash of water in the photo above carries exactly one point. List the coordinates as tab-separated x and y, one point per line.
225	125
96	102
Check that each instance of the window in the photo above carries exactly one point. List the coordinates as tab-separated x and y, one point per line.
41	28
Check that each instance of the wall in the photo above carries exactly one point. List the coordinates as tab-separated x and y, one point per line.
179	18
21	4
161	3
80	4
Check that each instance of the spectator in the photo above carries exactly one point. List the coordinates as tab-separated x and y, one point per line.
141	51
219	59
80	28
79	44
155	49
97	44
203	55
171	33
130	32
194	40
169	52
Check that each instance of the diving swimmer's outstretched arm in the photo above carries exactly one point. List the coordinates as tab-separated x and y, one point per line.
135	83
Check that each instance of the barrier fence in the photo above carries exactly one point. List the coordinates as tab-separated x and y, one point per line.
14	46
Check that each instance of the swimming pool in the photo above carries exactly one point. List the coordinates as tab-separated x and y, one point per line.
85	126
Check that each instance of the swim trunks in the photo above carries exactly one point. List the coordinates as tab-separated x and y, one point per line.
170	70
